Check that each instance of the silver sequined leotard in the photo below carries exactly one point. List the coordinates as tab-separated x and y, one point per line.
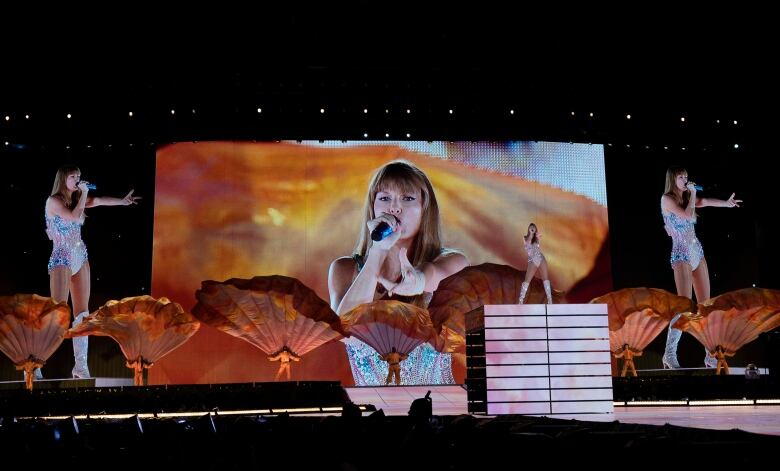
686	248
534	253
69	250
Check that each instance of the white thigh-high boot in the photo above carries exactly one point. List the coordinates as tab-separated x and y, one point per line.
523	291
548	290
673	335
81	369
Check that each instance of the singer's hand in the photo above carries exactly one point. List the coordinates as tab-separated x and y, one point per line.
691	187
390	240
731	202
412	280
130	199
83	186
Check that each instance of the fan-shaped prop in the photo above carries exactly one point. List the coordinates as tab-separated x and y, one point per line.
32	327
471	288
636	317
273	313
725	323
387	324
145	328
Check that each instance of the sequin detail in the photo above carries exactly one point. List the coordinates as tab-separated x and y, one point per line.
423	366
69	250
534	253
686	248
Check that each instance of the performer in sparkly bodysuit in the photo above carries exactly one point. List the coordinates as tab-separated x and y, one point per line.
69	272
536	262
678	209
407	265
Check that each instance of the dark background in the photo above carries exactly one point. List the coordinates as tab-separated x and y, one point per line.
553	75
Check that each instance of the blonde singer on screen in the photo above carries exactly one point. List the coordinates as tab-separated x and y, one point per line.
407	265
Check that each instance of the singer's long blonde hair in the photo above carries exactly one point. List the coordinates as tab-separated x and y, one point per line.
670	188
404	176
60	188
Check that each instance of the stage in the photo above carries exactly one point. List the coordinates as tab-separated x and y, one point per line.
452	400
98	397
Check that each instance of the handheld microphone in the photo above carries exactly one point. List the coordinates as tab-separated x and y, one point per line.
698	187
90	186
381	231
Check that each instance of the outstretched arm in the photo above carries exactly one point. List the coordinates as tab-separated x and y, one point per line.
714	202
129	199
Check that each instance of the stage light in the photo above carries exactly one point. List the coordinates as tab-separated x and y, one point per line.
408	135
68	115
717	121
193	111
130	114
387	134
365	134
735	122
387	111
7	118
682	119
450	111
409	111
511	111
365	110
736	146
173	111
591	115
628	116
572	113
259	110
738	402
322	110
27	116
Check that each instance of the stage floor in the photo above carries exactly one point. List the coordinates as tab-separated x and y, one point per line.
451	400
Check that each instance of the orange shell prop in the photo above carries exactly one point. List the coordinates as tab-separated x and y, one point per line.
32	327
727	322
273	313
388	324
145	328
638	315
472	288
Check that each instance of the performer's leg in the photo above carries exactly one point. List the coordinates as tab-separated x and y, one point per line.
548	291
701	286
80	297
397	372
683	279
59	286
545	280
529	275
